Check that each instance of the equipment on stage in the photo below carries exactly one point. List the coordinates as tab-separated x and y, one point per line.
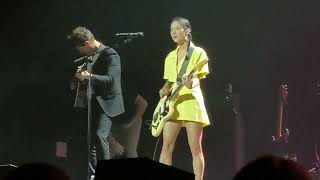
282	133
132	35
125	38
315	170
5	169
138	168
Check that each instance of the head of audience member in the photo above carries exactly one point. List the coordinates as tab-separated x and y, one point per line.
270	167
37	171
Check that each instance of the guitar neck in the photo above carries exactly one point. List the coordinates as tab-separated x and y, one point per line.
180	86
175	92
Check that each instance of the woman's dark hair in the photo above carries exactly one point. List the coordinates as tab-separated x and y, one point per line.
183	21
186	26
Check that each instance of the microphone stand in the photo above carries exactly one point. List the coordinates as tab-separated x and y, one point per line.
316	162
124	41
89	95
315	170
89	59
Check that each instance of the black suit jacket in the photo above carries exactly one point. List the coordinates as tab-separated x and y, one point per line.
106	81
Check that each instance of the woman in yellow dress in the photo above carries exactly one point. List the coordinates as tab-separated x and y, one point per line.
189	111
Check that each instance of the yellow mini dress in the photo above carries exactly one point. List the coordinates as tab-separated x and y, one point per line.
190	105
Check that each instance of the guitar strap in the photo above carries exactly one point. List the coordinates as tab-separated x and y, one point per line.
185	65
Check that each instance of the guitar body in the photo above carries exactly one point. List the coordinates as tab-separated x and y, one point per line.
162	114
166	104
81	94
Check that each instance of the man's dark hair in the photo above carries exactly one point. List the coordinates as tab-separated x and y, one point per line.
79	35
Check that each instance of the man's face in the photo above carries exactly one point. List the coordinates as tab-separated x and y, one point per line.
85	49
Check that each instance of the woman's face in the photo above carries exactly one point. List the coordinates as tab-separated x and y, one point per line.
178	33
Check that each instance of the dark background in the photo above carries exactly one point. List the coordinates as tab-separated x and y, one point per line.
254	45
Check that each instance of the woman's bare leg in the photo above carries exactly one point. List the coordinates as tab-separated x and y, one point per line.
194	132
170	134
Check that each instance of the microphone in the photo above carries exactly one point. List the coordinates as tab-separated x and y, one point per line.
88	58
83	60
132	35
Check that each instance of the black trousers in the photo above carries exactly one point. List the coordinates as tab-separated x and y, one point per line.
100	128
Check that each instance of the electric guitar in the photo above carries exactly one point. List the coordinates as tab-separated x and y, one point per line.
165	107
282	134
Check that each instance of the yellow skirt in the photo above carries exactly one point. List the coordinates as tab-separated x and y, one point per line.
190	107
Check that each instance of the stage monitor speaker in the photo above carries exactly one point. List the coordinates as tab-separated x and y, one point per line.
138	168
5	169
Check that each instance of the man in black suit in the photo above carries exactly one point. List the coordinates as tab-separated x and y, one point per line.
105	92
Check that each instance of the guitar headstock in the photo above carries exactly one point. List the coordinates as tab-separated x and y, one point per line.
201	64
284	93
